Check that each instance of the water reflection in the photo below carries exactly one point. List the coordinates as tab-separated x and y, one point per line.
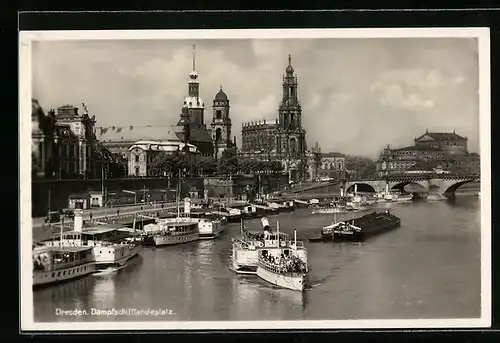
251	295
428	268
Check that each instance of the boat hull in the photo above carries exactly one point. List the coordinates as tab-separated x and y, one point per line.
118	262
45	278
294	282
244	261
162	240
369	228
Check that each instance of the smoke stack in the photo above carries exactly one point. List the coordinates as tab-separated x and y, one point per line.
265	224
341	191
187	205
78	219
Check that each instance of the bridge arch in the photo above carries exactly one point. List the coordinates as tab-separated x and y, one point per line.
362	187
402	185
451	188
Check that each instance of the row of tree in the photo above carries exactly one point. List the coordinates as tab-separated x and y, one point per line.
360	167
228	163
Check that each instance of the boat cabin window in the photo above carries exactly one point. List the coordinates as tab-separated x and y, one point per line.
286	252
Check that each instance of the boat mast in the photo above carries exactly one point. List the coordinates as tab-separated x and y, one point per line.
61	235
278	232
178	196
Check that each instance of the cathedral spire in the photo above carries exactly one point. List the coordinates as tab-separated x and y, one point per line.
289	59
194	57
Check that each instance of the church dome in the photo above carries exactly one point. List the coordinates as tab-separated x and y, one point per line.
221	96
289	69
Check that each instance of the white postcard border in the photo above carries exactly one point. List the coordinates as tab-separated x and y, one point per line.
25	78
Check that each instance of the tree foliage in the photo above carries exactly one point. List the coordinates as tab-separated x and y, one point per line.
168	164
228	162
360	167
165	164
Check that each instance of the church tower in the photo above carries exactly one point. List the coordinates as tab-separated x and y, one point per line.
221	123
193	102
291	135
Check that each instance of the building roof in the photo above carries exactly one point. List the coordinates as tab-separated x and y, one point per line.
440	136
332	154
196	134
417	148
136	133
261	122
167	146
221	96
67	111
78	196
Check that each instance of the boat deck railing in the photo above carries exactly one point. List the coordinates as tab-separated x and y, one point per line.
245	244
280	268
64	265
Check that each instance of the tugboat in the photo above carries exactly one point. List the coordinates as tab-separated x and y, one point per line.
281	267
358	229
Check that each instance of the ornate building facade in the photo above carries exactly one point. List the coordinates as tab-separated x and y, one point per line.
283	138
332	165
64	145
143	153
442	150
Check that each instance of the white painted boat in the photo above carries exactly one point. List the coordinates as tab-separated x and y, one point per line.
329	210
209	228
172	231
53	264
110	246
281	267
245	248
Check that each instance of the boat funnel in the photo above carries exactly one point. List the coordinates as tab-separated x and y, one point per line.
187	205
265	224
78	219
341	192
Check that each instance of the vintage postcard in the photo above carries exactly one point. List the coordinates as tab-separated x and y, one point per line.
255	179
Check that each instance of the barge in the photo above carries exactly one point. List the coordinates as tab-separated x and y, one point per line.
358	229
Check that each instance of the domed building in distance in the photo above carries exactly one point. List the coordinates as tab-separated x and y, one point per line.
221	124
191	128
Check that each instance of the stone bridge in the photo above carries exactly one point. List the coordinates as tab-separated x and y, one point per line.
442	184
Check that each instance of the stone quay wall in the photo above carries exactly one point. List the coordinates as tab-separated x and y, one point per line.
59	190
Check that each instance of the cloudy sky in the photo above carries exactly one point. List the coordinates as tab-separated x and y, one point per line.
357	95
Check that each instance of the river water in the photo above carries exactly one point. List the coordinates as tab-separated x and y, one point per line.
428	268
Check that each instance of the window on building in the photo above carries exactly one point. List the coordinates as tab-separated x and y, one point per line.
136	158
136	171
218	114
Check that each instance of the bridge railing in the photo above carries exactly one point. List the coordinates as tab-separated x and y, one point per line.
416	176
